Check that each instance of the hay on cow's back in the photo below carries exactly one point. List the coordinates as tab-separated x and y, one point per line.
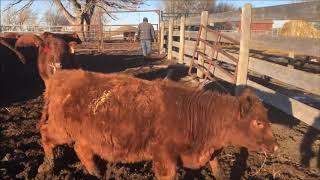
96	103
299	28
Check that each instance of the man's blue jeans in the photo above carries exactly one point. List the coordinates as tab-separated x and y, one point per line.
146	47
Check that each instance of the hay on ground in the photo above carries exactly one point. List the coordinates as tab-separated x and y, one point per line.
299	28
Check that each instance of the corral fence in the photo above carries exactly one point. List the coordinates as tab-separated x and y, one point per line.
117	37
231	55
96	37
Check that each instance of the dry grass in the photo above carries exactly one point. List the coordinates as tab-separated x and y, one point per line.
262	165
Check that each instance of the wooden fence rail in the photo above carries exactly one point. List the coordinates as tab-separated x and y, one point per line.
298	11
258	41
308	11
306	81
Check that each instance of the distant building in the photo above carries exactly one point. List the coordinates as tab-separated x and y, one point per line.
125	32
236	26
263	25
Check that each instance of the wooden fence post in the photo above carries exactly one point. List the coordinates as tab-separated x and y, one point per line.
100	27
242	69
170	39
181	45
203	35
291	55
161	36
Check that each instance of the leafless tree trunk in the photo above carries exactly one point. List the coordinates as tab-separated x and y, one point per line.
83	10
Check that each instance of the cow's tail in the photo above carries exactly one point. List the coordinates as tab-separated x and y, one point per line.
20	56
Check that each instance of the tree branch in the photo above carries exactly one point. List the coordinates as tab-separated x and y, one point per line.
66	13
77	7
106	11
17	2
12	4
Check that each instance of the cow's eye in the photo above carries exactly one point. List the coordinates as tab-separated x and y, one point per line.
258	124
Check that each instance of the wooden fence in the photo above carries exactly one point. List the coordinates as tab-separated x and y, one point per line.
97	37
305	81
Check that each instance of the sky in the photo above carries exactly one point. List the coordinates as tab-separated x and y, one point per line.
40	6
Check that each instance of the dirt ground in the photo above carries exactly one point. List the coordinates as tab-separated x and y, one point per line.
21	152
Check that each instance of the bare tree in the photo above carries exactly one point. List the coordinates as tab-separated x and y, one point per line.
8	17
23	17
54	18
189	7
81	11
222	7
178	8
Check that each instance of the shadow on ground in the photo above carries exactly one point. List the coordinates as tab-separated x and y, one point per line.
98	62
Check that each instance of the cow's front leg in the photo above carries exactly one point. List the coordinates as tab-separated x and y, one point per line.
48	144
85	154
196	160
164	165
215	168
48	162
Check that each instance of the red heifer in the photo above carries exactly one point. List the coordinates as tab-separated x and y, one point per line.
54	54
28	39
10	37
28	44
5	46
125	119
71	39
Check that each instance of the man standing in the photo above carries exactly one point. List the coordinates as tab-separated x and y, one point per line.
146	34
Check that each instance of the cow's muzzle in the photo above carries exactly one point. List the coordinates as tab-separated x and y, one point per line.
271	148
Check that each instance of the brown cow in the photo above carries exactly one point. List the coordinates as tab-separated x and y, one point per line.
28	44
54	54
10	37
71	39
5	46
27	40
125	119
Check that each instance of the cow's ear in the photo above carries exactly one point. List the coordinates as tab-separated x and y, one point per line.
247	101
39	42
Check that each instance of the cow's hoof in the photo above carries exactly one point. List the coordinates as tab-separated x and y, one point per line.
216	170
95	172
166	178
44	175
218	175
44	172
